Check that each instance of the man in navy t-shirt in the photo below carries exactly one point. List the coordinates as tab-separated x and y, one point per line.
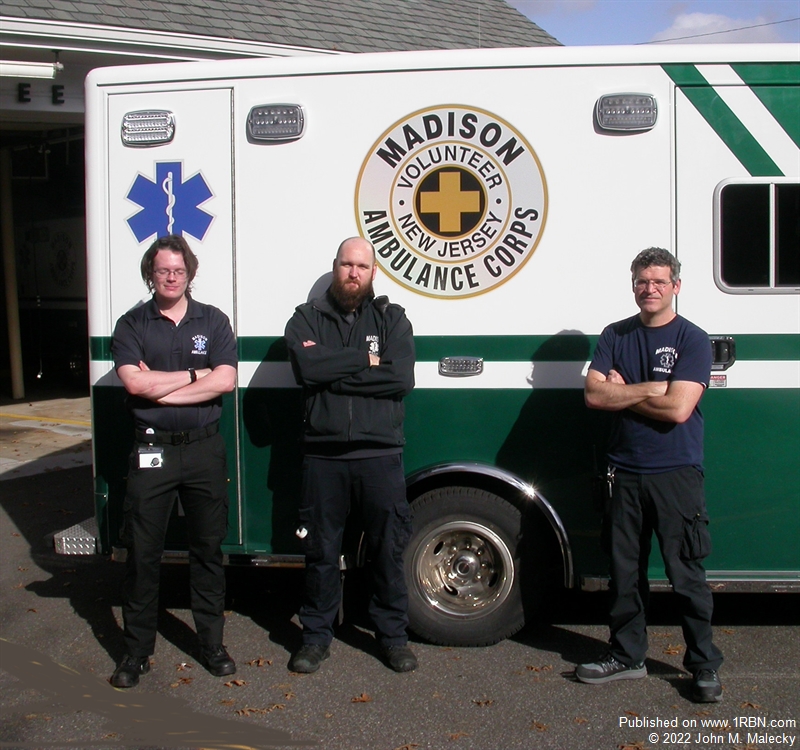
652	370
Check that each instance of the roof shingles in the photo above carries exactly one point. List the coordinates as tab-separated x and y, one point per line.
348	25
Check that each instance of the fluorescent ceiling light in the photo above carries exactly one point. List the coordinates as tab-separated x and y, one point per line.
17	69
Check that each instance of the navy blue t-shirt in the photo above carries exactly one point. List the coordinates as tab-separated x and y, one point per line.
676	351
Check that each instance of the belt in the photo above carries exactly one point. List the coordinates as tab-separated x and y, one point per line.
178	438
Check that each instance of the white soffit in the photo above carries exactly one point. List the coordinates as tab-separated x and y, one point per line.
52	35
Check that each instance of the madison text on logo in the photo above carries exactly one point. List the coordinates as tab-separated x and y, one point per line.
454	200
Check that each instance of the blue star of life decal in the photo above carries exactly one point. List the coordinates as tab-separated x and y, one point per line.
169	205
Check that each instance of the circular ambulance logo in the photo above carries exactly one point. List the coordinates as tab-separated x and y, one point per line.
454	200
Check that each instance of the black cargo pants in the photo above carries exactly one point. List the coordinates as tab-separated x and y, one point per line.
197	472
375	489
673	505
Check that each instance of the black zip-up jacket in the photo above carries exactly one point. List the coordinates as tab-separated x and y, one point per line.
346	400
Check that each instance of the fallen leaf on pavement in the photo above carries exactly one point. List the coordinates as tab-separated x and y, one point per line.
545	668
260	662
249	710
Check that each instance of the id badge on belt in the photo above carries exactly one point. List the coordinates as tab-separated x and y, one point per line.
150	456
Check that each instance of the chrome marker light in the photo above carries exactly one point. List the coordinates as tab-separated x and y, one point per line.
273	123
148	127
630	112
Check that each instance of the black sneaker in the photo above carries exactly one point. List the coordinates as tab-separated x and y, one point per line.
609	669
706	687
217	660
309	657
400	658
127	673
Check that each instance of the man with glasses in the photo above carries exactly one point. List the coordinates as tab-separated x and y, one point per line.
175	357
652	370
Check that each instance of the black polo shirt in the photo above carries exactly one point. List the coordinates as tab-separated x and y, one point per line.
203	338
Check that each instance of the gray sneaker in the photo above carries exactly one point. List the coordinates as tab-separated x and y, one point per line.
608	669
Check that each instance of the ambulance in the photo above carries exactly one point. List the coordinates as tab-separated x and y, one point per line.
506	193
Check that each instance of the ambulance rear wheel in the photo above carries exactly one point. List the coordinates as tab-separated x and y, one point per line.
462	567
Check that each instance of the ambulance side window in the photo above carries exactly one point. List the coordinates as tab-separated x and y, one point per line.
788	235
759	237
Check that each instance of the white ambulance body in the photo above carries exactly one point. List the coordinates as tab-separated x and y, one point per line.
506	192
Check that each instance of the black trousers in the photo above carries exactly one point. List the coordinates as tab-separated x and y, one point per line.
375	488
673	505
197	473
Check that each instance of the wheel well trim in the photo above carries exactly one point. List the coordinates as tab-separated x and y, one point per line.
523	489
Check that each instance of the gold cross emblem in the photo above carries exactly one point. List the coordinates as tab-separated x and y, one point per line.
450	201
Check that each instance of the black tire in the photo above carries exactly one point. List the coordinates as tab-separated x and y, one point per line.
462	568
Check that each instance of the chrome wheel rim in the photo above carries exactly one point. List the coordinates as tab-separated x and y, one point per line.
464	569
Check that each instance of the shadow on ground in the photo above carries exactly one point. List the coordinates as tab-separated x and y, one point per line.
39	506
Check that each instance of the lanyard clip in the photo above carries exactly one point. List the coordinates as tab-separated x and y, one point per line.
610	481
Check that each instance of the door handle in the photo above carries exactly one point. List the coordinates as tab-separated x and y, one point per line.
723	352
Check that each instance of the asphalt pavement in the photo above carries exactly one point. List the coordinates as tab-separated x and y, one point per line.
61	636
44	434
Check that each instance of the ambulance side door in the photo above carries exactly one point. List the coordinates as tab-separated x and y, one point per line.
181	186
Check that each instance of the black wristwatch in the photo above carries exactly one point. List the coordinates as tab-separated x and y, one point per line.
193	374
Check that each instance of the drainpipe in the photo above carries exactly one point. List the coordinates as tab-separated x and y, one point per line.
10	270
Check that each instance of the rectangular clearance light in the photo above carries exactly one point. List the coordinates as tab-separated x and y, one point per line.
148	127
460	367
632	112
272	123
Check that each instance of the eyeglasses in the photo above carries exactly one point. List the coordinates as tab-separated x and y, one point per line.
642	284
162	273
